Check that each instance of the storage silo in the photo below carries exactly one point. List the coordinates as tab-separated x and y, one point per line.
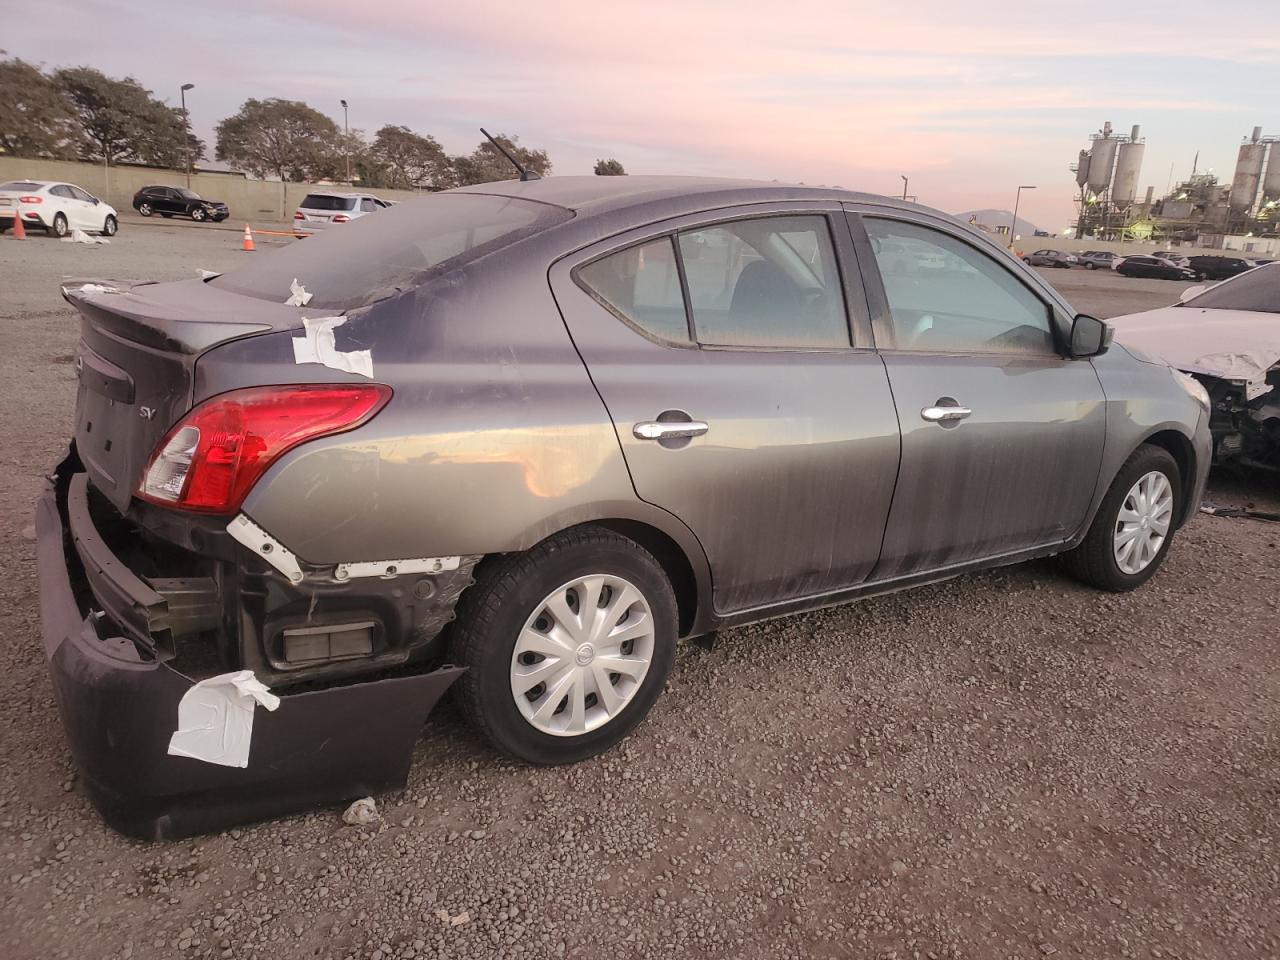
1101	159
1244	185
1271	183
1124	187
1082	169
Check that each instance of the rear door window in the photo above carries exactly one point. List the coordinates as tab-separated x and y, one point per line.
367	205
63	191
765	282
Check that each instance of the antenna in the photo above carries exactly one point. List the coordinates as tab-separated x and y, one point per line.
524	174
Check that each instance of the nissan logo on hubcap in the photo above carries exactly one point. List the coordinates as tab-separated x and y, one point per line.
585	654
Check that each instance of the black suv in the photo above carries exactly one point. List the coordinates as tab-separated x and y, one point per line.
1219	268
180	202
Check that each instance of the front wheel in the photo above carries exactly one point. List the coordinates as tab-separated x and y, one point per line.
197	214
60	225
110	226
566	646
1132	530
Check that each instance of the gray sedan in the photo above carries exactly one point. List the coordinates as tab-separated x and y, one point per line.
522	439
1050	258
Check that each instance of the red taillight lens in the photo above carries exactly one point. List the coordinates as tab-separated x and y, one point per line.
212	458
341	218
31	199
299	215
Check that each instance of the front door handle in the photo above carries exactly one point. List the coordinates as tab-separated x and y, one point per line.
673	430
945	414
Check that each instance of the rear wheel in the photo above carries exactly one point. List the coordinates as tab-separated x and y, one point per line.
1134	525
60	225
110	226
144	209
566	646
1090	266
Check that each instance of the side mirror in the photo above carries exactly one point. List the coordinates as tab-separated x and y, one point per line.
1090	337
1190	292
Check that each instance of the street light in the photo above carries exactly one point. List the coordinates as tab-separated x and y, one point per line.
905	181
1013	227
346	143
186	124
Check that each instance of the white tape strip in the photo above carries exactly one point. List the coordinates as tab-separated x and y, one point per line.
320	346
215	718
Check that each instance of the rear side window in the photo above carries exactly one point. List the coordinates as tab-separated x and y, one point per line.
373	258
322	201
367	205
642	285
62	191
763	282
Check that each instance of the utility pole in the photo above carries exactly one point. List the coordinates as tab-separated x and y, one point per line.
1013	227
346	141
186	127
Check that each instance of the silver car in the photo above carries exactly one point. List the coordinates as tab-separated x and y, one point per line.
522	439
1050	258
320	209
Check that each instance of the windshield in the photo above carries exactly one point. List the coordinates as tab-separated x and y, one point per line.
373	258
1257	290
322	201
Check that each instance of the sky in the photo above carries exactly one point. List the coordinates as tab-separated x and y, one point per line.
966	98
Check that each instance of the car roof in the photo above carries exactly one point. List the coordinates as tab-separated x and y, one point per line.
599	195
336	193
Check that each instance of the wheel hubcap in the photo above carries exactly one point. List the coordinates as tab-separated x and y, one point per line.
1143	522
582	655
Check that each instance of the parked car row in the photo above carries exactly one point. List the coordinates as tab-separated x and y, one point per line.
56	208
1161	264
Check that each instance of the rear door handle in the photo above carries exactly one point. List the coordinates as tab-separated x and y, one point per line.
658	430
945	414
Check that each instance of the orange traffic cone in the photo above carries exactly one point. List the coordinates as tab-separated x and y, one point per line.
19	231
248	240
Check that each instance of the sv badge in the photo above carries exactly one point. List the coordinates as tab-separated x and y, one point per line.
146	413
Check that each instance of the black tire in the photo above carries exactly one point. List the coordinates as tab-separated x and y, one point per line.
59	227
495	609
1094	561
197	214
144	209
1091	266
110	226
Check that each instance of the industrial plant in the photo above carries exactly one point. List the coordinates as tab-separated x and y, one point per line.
1198	211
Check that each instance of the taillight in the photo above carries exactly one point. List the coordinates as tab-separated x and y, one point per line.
31	199
298	215
340	218
215	454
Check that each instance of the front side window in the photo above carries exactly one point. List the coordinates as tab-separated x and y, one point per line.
765	282
946	296
642	284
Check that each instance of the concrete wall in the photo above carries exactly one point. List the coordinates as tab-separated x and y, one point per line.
248	199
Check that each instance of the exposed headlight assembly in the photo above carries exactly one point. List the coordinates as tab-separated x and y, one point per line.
1195	389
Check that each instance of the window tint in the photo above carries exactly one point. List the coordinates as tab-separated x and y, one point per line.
948	297
62	191
642	284
766	282
81	194
367	205
1257	289
323	201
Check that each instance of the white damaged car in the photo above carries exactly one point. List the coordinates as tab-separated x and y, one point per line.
1227	336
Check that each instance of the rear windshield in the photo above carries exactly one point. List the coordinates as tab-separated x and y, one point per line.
1258	289
19	185
373	258
322	201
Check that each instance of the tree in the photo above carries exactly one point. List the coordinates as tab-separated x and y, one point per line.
285	139
609	168
486	164
122	120
35	119
408	160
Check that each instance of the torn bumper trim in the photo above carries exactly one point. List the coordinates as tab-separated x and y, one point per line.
119	712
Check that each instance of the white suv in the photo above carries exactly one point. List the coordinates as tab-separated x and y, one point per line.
318	210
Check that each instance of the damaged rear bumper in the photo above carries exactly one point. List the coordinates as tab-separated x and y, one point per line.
119	707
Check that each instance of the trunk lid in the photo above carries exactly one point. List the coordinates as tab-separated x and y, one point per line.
139	343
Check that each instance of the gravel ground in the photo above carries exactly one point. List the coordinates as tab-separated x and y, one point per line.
1005	765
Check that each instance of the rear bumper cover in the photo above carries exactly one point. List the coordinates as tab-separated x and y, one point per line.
119	710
